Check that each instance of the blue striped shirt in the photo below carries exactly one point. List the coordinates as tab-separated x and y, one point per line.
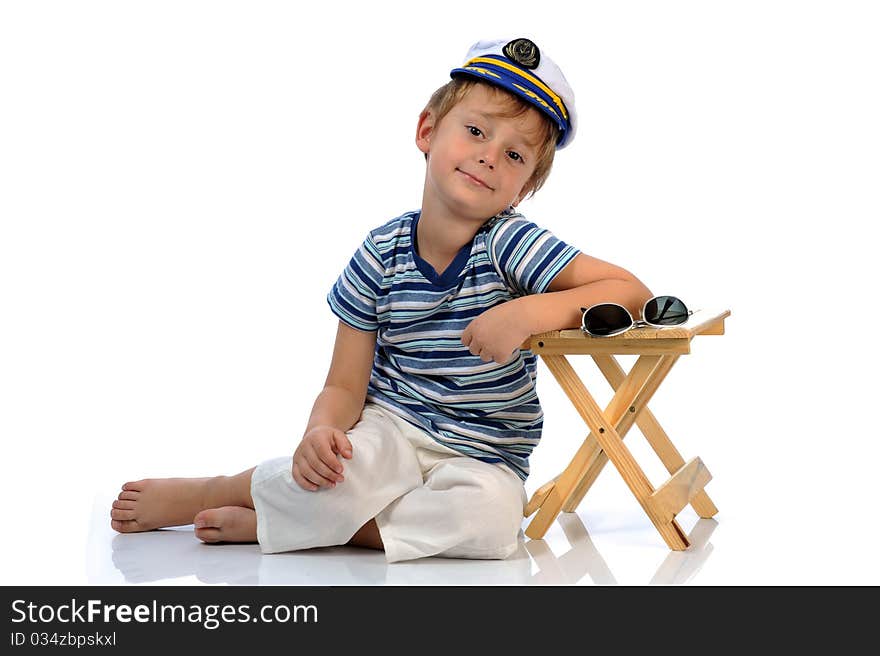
421	371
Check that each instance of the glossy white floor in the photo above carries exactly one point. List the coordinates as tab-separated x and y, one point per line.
778	536
567	555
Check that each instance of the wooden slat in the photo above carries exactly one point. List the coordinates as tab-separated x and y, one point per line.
551	504
681	487
561	488
538	498
613	346
701	322
706	322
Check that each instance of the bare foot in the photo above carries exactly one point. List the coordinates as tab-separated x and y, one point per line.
157	502
226	524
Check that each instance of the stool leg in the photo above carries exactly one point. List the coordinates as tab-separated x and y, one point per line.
656	368
552	496
656	436
653	368
555	496
634	392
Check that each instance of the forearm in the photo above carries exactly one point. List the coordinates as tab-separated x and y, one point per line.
561	310
336	406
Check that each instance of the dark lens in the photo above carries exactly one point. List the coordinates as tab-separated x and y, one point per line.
665	311
606	319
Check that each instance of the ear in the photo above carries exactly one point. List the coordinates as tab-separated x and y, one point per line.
425	130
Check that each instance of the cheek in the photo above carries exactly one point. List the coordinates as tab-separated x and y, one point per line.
521	177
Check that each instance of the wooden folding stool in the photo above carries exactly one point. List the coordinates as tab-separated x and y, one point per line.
658	349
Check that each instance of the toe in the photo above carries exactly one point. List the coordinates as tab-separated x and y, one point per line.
124	505
134	486
129	495
123	515
124	527
226	524
208	519
209	535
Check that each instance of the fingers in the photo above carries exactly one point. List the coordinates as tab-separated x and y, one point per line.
475	346
504	359
315	465
489	355
483	353
316	462
467	335
327	463
342	444
301	480
314	469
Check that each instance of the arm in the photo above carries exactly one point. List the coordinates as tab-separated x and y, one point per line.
336	409
498	332
340	402
584	282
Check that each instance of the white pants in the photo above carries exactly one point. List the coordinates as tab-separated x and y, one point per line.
427	499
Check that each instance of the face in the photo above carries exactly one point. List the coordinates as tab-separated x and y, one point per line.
478	161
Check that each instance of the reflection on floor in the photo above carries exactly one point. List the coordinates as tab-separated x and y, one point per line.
165	555
583	559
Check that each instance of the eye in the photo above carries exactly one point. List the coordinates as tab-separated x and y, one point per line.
515	156
474	130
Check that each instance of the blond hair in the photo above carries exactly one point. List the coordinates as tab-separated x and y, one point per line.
450	94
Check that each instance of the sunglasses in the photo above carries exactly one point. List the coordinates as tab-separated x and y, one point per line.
609	319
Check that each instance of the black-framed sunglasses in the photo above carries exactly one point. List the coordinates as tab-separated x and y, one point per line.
609	319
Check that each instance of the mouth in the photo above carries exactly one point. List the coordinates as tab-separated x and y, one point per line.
475	179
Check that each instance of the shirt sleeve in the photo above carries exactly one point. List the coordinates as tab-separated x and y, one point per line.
353	296
526	256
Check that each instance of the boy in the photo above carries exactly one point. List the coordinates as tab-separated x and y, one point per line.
419	442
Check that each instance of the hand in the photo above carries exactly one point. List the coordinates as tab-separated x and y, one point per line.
498	333
316	461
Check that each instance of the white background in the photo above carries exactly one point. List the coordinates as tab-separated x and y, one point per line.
181	183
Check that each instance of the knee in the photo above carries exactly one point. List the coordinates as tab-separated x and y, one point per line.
489	518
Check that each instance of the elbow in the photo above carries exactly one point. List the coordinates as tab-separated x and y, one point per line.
639	294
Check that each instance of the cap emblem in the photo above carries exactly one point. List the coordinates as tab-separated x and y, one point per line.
523	52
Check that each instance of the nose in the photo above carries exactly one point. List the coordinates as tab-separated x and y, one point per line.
493	151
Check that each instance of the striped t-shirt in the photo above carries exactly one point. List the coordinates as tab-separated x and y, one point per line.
422	371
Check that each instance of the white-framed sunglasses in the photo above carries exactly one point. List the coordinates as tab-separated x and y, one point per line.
609	319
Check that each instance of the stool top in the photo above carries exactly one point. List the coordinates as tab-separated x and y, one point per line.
671	339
